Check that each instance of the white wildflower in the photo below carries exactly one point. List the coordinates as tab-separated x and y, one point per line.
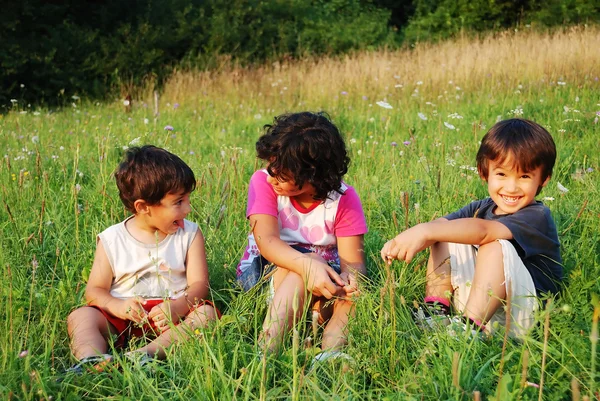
383	104
561	188
449	126
422	116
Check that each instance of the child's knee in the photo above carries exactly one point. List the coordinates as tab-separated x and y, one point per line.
491	249
202	315
80	315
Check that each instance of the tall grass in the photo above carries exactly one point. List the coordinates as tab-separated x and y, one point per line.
410	163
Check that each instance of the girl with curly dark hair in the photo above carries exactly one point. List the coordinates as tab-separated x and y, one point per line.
307	228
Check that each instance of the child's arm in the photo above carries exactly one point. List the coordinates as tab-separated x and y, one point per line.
196	268
321	279
461	231
97	291
352	261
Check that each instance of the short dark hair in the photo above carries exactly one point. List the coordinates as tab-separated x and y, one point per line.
305	147
528	143
150	173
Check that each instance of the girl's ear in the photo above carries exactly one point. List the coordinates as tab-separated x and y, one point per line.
141	207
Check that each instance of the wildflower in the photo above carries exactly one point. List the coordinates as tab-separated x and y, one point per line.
561	83
383	104
589	170
169	128
548	198
455	116
175	106
126	102
23	353
398	86
352	140
146	121
135	141
13	101
394	144
406	143
257	116
449	126
419	82
422	116
561	188
77	188
518	111
35	139
365	97
344	93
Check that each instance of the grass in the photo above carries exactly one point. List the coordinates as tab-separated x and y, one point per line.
57	195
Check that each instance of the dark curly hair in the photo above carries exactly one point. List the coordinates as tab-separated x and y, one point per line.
150	173
528	143
305	148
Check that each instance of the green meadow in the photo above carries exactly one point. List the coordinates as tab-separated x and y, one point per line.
412	120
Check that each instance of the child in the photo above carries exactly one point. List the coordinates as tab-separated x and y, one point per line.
149	271
307	223
493	250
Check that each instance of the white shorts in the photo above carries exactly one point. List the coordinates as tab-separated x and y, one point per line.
519	286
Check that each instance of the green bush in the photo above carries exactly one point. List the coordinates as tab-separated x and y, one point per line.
439	19
50	52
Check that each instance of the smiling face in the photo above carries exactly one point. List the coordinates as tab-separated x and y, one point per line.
510	188
167	217
289	188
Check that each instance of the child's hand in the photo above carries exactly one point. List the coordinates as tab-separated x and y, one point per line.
406	244
132	309
323	281
351	288
162	315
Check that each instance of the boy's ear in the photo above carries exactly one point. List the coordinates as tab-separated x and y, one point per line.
546	181
141	206
484	178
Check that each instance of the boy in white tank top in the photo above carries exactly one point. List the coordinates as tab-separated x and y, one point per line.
150	275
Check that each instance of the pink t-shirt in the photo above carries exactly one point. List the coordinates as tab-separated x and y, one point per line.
315	228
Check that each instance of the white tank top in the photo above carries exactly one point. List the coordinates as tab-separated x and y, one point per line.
152	271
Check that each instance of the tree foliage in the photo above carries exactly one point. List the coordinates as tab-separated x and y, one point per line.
52	50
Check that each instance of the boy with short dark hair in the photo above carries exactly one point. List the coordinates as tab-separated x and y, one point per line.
150	271
505	246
